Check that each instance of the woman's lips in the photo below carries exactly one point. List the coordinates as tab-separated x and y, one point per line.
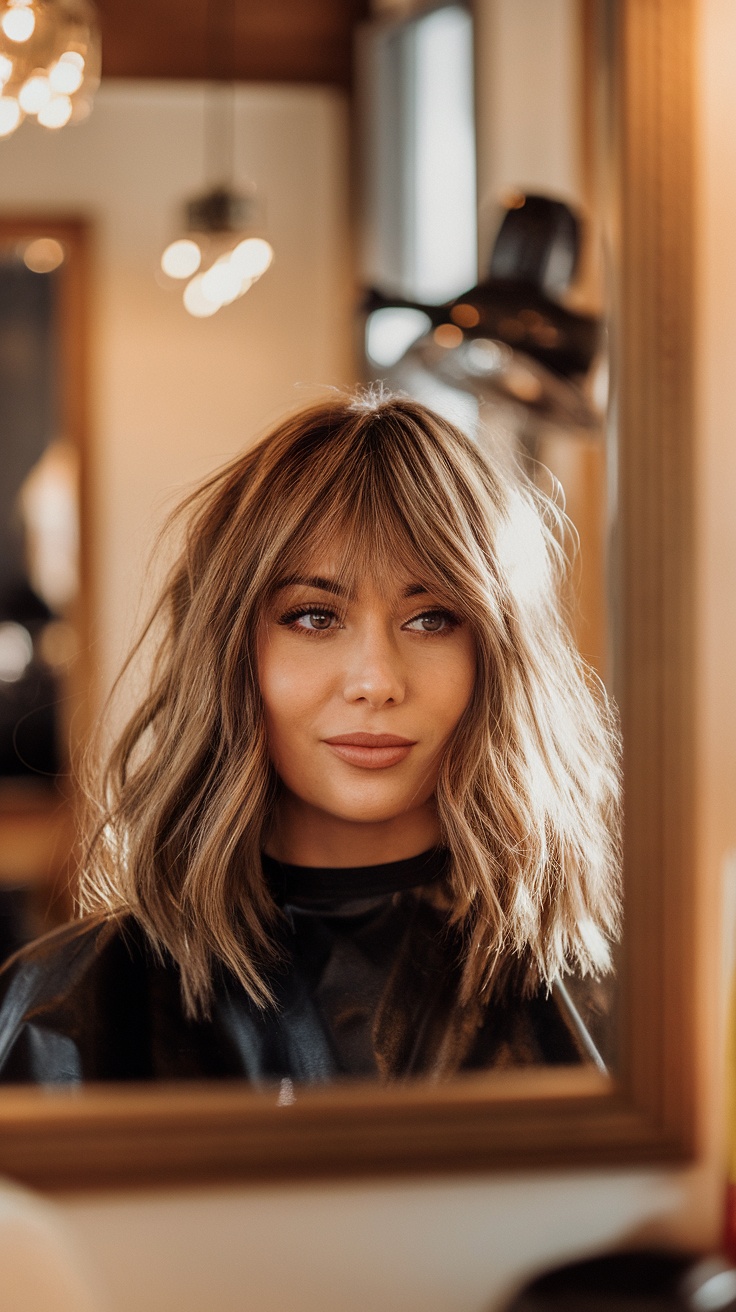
370	751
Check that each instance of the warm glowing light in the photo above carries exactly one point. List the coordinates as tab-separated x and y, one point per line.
58	644
447	335
56	113
465	315
224	282
54	75
484	356
10	115
16	652
67	74
181	258
73	57
523	384
49	509
252	257
18	23
195	300
390	331
35	93
43	255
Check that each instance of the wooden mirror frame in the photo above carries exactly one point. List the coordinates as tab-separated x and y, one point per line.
115	1136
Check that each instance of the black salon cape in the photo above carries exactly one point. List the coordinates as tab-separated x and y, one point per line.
367	988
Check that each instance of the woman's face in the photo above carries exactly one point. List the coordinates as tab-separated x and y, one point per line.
362	692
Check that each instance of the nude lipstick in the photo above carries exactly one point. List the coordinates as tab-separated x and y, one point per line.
370	751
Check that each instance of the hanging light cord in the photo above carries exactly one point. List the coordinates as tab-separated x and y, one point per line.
219	118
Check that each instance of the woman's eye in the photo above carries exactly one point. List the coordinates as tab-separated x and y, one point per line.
311	620
433	621
318	619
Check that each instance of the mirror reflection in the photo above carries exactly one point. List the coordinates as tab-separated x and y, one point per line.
40	587
353	809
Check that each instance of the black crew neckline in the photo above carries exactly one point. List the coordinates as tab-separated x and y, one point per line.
324	885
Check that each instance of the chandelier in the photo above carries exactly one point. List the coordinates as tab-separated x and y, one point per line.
49	62
222	251
220	257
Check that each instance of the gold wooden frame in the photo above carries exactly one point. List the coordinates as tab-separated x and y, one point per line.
114	1136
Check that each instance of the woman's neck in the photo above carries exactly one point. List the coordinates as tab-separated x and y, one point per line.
303	835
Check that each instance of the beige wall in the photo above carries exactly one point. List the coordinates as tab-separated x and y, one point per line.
453	1245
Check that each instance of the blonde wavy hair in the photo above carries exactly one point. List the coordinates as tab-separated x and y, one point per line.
528	790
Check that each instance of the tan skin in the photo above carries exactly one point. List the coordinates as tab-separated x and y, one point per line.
391	665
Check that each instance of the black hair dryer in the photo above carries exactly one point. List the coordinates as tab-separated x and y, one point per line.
641	1280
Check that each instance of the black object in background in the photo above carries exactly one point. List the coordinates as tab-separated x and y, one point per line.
28	705
15	924
28	423
533	262
28	399
641	1280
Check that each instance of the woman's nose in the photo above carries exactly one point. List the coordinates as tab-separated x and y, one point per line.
374	672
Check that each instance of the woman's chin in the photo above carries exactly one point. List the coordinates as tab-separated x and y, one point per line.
367	805
364	813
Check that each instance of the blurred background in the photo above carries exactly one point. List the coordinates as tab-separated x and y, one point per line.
115	398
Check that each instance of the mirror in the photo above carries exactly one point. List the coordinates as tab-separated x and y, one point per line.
497	1118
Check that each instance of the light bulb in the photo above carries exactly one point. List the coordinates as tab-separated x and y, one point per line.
6	69
43	255
390	331
252	257
35	93
56	113
10	115
16	651
18	23
448	335
181	259
67	74
223	282
196	302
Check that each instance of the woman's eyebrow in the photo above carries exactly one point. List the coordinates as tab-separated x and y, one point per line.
329	585
323	585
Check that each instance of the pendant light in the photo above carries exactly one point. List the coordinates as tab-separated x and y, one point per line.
221	251
49	62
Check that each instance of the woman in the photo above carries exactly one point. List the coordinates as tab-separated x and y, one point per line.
366	817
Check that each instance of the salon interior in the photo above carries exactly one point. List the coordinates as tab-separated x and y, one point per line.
520	213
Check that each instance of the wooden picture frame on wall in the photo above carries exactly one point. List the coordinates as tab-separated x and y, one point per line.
131	1136
38	826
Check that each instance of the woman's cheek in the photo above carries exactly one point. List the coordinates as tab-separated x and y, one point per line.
293	683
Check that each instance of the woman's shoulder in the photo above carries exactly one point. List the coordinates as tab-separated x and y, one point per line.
63	955
54	991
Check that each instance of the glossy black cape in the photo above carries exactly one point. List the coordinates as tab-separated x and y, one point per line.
368	988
